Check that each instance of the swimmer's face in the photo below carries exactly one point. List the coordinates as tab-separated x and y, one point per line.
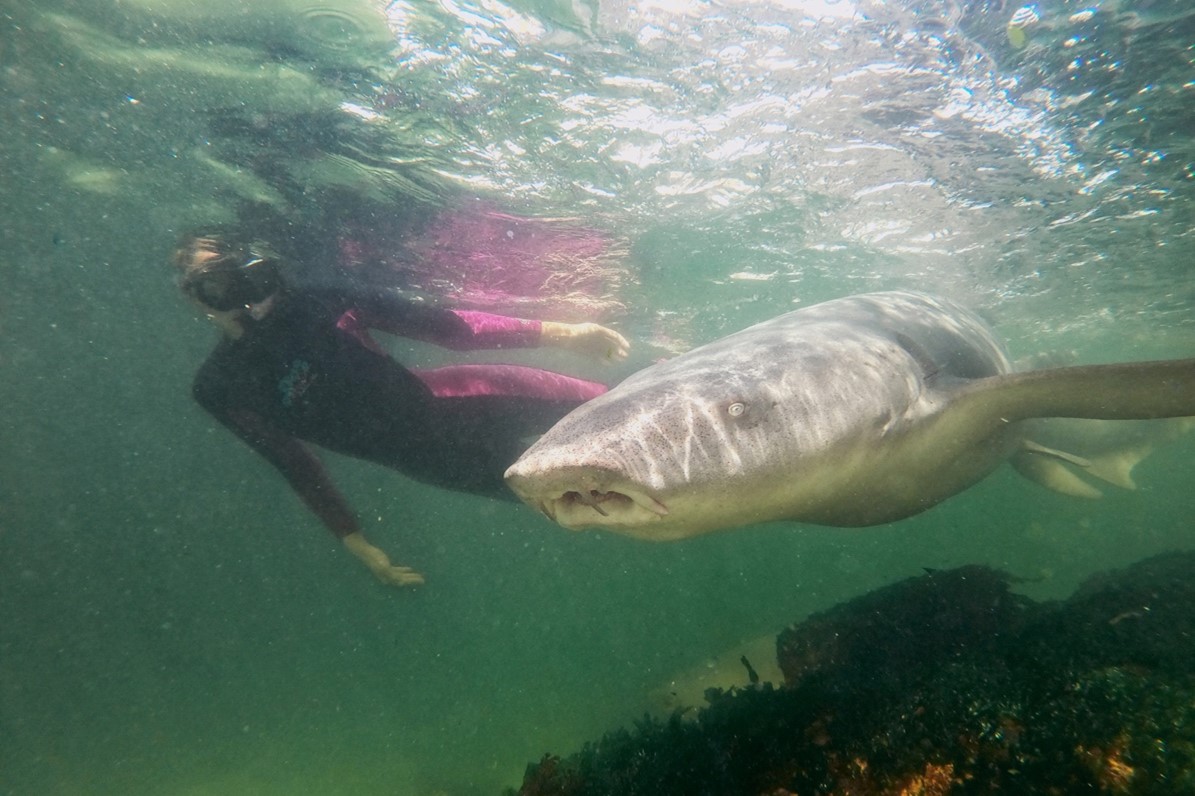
226	280
232	322
224	289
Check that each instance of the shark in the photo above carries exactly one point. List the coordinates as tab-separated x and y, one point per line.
854	412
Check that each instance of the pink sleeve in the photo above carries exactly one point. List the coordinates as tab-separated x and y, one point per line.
462	330
492	331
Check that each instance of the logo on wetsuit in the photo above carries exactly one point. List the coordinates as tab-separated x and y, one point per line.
295	382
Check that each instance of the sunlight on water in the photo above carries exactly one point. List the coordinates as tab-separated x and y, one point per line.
744	112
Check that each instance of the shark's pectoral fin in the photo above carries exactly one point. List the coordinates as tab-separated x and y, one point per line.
1047	467
1031	447
1116	467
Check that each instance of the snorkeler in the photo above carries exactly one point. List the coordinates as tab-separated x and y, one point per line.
297	366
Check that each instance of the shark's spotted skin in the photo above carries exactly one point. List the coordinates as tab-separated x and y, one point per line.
853	412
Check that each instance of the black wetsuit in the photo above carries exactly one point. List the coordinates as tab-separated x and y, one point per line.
310	372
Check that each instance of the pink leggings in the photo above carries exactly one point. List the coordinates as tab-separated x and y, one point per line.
464	381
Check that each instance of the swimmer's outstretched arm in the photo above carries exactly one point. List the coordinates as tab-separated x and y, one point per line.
379	563
590	339
307	476
470	330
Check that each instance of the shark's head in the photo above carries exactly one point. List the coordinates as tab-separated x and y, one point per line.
664	456
588	494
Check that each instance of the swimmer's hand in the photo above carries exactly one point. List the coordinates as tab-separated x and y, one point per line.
590	339
379	563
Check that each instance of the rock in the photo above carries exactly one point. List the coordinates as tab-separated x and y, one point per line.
946	683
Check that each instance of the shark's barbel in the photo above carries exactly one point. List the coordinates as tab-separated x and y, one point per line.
853	412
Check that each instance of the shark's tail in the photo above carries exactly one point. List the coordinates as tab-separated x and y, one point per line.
1130	391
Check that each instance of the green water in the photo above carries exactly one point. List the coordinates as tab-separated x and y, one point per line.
173	622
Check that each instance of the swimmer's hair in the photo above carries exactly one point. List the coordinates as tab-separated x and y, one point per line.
225	250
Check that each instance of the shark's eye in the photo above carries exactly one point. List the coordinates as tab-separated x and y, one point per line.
736	409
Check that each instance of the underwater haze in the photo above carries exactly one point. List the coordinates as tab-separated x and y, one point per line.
173	622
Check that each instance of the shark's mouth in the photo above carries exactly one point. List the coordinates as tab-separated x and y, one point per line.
579	508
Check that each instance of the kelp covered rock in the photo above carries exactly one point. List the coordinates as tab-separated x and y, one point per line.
905	630
945	683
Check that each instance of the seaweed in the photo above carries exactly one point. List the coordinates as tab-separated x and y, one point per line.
945	683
